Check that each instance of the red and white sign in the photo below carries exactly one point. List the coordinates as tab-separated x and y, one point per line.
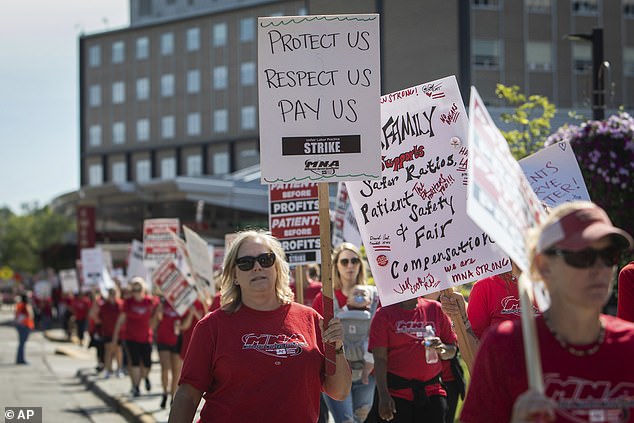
174	285
157	240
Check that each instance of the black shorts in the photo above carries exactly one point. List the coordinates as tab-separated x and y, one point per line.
171	348
139	352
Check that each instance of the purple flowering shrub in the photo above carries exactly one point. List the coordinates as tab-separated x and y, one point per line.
605	152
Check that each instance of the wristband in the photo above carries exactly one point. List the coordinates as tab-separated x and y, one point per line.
339	350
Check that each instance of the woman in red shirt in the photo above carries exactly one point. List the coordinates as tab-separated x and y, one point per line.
107	316
168	326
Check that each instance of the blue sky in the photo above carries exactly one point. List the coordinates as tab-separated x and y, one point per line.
39	116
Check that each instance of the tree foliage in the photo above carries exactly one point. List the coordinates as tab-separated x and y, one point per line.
531	116
23	237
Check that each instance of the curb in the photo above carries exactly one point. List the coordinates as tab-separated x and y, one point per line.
129	410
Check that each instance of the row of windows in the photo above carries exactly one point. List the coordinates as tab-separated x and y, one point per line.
219	38
194	167
220	81
248	121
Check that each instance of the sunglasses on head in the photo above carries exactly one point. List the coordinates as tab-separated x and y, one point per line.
247	263
345	261
586	258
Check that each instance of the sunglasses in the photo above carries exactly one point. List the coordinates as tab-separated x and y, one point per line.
344	261
247	263
585	259
137	289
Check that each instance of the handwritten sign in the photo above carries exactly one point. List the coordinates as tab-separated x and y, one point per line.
294	220
500	199
413	220
319	85
554	175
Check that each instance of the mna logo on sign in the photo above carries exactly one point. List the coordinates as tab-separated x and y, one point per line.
322	167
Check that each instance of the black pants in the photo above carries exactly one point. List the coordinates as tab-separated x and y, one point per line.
453	392
433	411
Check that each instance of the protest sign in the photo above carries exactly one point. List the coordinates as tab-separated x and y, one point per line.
136	267
345	224
68	279
174	285
554	175
42	289
294	220
413	220
318	87
157	240
92	266
199	255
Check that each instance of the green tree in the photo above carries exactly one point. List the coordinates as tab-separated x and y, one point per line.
531	115
23	237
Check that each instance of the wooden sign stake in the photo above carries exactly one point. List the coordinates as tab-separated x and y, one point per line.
326	271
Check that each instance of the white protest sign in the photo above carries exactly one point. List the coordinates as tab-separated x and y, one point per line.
157	240
199	254
136	267
294	220
186	267
42	289
174	286
341	205
413	221
318	88
554	175
68	279
92	266
500	198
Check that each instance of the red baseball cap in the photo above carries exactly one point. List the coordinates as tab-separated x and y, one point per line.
578	229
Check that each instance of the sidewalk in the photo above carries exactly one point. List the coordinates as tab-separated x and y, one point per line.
115	391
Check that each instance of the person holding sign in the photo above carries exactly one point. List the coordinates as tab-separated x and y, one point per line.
259	343
575	252
348	271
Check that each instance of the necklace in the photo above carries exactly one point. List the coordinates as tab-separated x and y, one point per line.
572	349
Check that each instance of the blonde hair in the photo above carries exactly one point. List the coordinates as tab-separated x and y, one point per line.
230	293
336	278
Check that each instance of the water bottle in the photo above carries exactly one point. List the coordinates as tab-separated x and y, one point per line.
431	355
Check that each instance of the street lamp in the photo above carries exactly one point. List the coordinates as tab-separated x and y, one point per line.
598	75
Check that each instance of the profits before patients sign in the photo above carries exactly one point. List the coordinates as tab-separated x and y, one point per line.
416	232
319	90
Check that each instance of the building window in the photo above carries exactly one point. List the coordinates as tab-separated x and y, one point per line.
193	39
142	89
168	168
247	73
221	121
118	92
247	157
220	77
585	7
193	81
539	6
486	4
247	117
94	56
581	57
145	7
486	53
247	29
628	8
119	173
94	135
220	34
118	52
538	56
628	61
143	171
118	132
167	85
95	174
194	165
142	129
221	163
94	95
193	124
167	127
142	48
167	44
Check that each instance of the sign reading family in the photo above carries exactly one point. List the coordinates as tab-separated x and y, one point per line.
319	87
413	220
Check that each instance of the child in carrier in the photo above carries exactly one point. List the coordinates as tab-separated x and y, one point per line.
355	318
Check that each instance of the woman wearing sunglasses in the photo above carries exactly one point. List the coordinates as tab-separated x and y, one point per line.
348	270
260	357
586	356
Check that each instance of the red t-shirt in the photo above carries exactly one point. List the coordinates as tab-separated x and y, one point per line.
625	306
593	388
401	332
187	333
215	304
310	291
318	304
81	307
492	301
108	315
243	359
138	315
165	330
